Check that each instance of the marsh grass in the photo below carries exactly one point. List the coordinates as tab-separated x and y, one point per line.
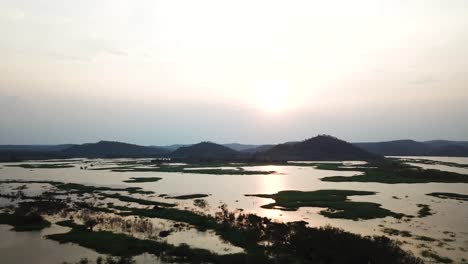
137	200
188	196
142	179
43	166
454	196
263	240
434	256
191	169
424	210
392	172
335	200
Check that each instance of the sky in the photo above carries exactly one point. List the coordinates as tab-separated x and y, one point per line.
162	72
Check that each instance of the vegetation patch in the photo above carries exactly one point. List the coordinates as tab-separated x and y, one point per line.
142	179
335	200
27	215
29	221
43	166
454	196
396	232
106	242
264	240
424	210
433	255
130	199
426	238
392	172
189	196
77	188
436	162
191	169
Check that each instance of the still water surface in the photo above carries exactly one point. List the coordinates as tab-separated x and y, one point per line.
449	216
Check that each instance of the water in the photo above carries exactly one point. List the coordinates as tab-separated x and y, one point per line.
458	160
450	215
31	247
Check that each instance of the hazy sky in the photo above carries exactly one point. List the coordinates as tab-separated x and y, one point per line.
162	72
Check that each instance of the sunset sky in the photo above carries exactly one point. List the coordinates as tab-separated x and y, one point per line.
163	72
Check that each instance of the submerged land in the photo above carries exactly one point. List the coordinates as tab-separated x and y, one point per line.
281	242
119	221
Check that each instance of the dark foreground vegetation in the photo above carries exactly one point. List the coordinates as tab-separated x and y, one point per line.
263	240
24	218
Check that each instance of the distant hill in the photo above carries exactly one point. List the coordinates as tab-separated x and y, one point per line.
257	149
16	156
445	143
103	149
205	151
321	147
396	148
240	147
34	148
171	147
449	151
416	148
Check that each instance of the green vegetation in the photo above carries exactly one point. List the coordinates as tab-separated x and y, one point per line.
143	179
391	172
189	196
335	200
43	166
455	196
424	210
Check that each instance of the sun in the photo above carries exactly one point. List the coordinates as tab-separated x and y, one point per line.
272	95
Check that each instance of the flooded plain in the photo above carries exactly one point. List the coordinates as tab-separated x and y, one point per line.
444	232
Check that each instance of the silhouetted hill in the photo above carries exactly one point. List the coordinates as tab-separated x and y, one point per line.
396	148
239	147
16	156
34	148
415	148
261	148
171	147
450	151
445	143
322	147
112	149
205	151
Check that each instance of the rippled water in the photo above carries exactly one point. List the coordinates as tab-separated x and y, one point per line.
450	215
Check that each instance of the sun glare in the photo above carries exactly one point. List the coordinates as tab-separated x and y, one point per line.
272	96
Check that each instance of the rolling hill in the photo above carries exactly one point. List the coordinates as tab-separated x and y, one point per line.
321	147
106	149
416	148
205	151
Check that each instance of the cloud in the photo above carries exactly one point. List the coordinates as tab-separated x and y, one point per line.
423	81
12	14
